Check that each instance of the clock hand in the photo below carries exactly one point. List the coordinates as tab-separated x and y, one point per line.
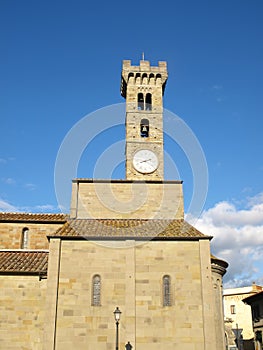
146	160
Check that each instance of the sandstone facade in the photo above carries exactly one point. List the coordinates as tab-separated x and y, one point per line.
125	243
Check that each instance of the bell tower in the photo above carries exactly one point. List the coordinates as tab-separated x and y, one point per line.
143	88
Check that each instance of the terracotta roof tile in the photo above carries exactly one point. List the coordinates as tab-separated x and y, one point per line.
32	217
132	228
34	262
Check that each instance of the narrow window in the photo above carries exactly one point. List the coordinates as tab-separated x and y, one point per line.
256	313
148	102
166	290
140	101
24	238
233	309
96	289
144	128
259	336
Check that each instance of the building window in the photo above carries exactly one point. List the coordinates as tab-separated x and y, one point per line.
166	290
24	238
259	336
140	101
256	313
144	126
233	309
96	290
148	102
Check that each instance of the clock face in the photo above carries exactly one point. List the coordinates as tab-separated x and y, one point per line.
145	161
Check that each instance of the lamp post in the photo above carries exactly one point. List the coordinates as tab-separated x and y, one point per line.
117	316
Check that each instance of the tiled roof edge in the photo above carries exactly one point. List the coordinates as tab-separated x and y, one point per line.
33	217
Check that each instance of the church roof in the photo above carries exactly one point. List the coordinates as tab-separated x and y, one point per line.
32	217
128	228
25	262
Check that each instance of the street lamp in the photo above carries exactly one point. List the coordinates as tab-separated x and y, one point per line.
117	316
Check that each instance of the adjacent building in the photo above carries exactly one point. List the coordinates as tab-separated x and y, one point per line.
256	303
238	315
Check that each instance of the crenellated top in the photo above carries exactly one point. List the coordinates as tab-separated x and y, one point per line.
144	74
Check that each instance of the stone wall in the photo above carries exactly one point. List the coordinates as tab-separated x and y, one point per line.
11	234
131	278
124	199
22	310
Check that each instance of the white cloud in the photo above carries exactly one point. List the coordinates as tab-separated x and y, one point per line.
48	208
9	181
30	187
6	207
45	208
238	239
217	87
41	208
5	160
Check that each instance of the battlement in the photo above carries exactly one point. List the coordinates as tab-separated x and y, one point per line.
144	74
145	66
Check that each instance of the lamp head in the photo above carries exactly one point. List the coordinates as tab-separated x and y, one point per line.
117	314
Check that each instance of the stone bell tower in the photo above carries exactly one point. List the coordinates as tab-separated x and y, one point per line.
143	88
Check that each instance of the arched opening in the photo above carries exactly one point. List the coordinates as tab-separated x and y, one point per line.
144	78
166	290
131	77
138	78
25	238
151	78
140	101
96	290
148	102
144	127
158	78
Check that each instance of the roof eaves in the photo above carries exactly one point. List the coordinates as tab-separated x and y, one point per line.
41	274
123	238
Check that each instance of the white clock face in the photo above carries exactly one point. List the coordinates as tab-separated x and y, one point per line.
145	161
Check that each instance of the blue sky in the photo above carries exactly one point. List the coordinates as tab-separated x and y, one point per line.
61	60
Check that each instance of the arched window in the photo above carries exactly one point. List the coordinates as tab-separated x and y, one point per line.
140	101
24	238
138	78
167	291
96	290
148	102
144	126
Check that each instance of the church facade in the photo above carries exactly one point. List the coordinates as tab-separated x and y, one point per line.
62	276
